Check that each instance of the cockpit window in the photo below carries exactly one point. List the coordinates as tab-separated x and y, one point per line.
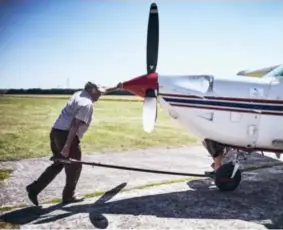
277	72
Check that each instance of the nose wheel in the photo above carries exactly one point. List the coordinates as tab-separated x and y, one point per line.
227	177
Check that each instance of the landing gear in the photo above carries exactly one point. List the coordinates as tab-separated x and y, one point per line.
228	176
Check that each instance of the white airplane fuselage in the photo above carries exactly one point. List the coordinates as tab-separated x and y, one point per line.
240	111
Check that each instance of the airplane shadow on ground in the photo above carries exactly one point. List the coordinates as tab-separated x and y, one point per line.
255	200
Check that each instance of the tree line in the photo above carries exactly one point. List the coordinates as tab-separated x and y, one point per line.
56	91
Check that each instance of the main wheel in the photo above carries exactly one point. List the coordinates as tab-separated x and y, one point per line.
223	179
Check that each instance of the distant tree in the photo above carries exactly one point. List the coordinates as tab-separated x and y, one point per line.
53	91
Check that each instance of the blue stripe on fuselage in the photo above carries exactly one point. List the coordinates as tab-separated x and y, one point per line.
252	106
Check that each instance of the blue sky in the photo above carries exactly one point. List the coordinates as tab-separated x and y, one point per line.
49	43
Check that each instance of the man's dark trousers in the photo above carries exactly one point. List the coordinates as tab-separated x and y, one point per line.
72	171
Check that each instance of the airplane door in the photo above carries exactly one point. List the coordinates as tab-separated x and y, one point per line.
246	124
271	123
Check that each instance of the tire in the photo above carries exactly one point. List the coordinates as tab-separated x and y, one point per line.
222	178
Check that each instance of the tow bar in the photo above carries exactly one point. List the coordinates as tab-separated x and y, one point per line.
71	161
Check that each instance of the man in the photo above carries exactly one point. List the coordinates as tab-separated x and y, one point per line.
65	136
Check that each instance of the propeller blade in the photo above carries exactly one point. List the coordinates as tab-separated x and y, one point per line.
156	106
149	113
156	114
152	39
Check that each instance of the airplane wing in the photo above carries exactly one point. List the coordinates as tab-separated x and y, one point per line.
258	72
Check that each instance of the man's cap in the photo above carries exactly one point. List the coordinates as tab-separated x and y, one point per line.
91	85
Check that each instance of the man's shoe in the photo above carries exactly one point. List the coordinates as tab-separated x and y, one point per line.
32	195
74	199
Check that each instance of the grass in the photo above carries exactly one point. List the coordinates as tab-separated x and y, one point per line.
5	225
141	187
5	173
117	125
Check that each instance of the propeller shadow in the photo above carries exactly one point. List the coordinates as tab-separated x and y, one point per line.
254	200
257	199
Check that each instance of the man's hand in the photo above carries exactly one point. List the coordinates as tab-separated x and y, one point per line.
72	133
119	85
65	151
111	89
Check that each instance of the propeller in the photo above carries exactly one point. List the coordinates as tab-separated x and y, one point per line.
146	85
150	99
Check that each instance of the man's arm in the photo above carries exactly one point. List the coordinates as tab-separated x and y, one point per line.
76	123
82	117
111	89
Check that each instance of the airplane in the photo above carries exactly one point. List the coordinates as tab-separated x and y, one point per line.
243	113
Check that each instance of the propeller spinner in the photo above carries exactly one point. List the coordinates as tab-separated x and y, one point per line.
146	86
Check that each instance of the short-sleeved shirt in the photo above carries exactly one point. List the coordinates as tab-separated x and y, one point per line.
79	106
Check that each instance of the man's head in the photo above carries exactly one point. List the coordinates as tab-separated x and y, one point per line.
94	90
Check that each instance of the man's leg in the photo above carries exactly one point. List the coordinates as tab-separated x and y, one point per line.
217	161
73	172
216	151
56	144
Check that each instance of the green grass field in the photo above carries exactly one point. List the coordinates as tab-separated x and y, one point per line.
117	125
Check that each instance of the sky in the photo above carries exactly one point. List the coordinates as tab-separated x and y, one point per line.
51	43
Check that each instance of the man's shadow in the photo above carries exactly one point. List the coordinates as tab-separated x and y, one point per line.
30	214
